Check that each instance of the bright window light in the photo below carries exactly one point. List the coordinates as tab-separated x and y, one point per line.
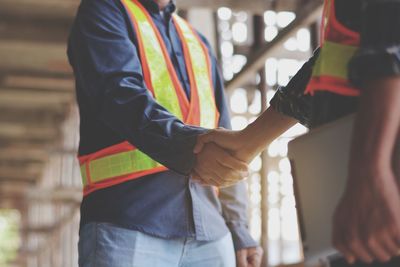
284	18
239	101
226	35
224	13
227	49
271	69
270	18
255	107
270	33
303	40
238	61
239	123
241	16
239	32
291	44
256	164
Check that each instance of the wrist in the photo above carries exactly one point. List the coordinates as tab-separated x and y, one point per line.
369	170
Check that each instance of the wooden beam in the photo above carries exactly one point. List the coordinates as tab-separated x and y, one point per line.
69	195
256	6
48	117
34	58
31	132
41	143
43	9
50	30
56	195
27	174
65	10
306	15
38	83
12	98
27	153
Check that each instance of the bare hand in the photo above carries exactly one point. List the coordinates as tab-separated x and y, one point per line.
217	167
367	220
249	257
234	141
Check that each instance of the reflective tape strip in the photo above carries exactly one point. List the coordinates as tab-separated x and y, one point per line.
117	165
333	60
163	86
83	174
201	72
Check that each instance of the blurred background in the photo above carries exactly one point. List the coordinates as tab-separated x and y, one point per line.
260	44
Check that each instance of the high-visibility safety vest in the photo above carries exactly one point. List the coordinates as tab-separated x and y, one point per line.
338	45
124	162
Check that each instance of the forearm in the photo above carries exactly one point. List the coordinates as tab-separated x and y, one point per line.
377	124
266	128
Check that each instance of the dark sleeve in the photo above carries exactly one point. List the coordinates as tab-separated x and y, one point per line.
233	199
107	67
290	100
379	54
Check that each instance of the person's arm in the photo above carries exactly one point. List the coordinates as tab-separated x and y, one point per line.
234	198
108	70
367	220
288	106
249	142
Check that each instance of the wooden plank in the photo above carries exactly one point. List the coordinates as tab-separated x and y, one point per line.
44	9
67	195
50	30
65	10
256	6
38	83
34	58
28	174
12	98
46	116
24	142
56	195
307	15
22	154
20	130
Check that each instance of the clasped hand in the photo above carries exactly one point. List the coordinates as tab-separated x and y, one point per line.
221	160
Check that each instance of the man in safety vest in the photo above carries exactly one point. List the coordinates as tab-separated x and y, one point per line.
147	86
356	69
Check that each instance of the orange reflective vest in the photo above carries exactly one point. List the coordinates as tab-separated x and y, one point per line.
338	45
123	162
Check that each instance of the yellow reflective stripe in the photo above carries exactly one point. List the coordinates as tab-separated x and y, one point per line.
333	60
161	81
83	174
201	75
117	165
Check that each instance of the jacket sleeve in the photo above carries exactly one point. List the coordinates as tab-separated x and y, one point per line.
233	199
379	54
108	70
291	101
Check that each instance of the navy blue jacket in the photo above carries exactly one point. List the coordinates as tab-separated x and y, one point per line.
115	106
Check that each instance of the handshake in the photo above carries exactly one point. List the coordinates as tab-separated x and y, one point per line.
222	157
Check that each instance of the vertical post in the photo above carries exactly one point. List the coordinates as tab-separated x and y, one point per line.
315	35
259	26
217	38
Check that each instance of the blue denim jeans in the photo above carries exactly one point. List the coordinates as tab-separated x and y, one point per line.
106	245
